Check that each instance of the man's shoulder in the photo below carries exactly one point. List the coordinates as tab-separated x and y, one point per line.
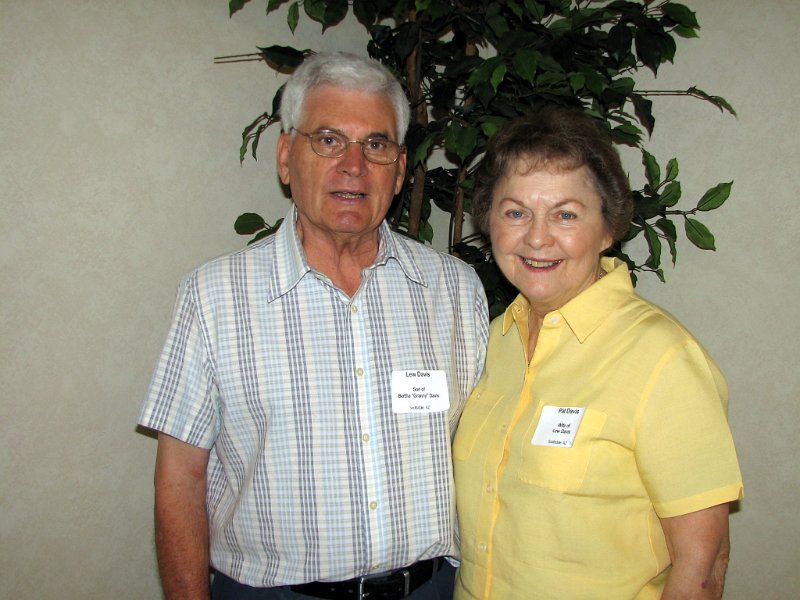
257	255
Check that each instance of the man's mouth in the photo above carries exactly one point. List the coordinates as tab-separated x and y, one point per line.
540	264
350	195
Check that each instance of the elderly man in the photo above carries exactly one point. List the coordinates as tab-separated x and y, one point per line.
310	385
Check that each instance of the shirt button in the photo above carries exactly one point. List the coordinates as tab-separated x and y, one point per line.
482	547
359	371
554	320
489	488
365	437
503	427
373	505
353	308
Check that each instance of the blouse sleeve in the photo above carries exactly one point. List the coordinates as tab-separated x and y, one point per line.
684	447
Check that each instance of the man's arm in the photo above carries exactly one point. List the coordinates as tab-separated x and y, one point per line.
181	519
699	546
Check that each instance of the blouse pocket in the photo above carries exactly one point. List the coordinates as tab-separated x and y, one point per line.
559	468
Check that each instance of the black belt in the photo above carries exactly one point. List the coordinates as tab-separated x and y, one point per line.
384	586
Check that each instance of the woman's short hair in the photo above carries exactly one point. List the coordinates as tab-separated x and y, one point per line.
346	71
561	139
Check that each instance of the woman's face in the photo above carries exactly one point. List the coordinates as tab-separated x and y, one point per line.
548	232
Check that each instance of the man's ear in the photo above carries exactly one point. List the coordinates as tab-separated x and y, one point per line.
282	156
401	171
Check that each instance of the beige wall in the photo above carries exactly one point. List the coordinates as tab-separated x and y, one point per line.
119	172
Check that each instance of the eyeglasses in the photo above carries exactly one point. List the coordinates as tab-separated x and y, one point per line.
332	144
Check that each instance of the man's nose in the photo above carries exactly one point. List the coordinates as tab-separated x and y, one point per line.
353	162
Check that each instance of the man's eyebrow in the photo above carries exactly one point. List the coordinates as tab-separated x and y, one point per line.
372	135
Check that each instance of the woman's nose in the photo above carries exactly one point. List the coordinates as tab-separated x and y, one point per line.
539	234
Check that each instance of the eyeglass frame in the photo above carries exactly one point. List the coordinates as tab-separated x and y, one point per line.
400	147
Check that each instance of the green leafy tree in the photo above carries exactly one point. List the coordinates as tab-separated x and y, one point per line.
469	66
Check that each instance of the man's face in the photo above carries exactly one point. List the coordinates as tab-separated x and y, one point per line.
347	197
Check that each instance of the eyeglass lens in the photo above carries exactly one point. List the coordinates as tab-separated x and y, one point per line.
332	144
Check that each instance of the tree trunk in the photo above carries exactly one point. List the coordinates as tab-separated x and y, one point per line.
414	80
457	216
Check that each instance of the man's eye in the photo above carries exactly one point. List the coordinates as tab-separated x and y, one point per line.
374	144
327	140
567	216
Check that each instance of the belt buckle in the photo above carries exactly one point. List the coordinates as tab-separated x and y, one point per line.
406	584
361	595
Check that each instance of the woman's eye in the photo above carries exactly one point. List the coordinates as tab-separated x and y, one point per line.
515	214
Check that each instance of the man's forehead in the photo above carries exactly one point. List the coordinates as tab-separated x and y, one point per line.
346	110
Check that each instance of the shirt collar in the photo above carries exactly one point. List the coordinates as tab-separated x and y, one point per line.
586	311
289	264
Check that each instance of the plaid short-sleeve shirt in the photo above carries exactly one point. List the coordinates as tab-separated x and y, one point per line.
312	475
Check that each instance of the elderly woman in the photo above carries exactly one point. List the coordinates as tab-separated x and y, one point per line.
594	458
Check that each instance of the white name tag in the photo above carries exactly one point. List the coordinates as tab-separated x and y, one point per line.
558	426
419	391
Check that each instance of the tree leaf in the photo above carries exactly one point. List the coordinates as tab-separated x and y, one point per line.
577	81
525	62
498	24
485	71
249	223
717	101
535	9
335	12
293	16
680	14
235	6
654	243
315	9
426	232
644	112
671	234
699	234
283	57
619	40
423	150
685	32
651	169
715	197
672	169
498	74
490	126
461	140
406	40
627	134
671	194
365	11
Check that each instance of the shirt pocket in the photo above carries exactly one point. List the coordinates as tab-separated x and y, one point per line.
558	468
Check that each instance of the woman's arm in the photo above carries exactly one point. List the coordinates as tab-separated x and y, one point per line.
699	546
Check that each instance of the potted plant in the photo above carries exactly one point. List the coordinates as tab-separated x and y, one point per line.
470	65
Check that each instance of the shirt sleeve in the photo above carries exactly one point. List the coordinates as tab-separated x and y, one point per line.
684	447
182	398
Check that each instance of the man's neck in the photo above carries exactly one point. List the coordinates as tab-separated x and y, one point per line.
341	258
